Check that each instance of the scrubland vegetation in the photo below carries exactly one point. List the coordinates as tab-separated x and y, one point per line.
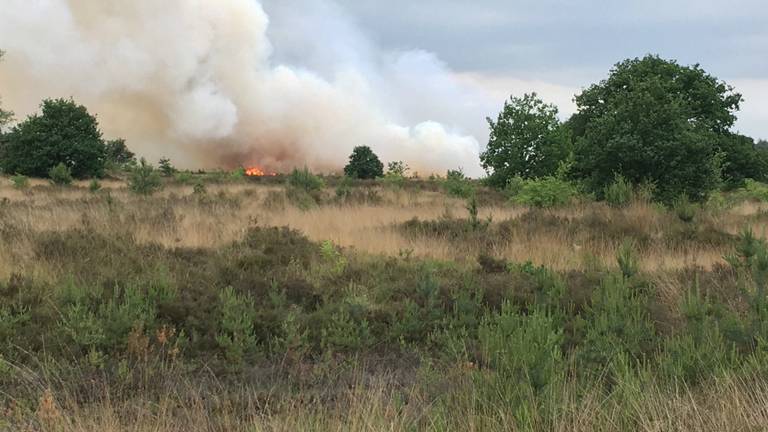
223	303
609	274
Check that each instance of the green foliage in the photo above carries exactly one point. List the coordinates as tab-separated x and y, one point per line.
94	186
752	191
527	140
166	167
456	184
144	179
117	153
684	209
546	192
523	349
701	350
184	177
20	181
335	262
236	335
238	174
617	325
364	164
64	133
742	160
398	169
653	119
626	259
619	193
303	179
395	176
60	175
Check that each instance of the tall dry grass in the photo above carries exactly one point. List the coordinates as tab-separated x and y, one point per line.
174	218
372	404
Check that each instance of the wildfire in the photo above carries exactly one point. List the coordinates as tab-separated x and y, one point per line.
258	172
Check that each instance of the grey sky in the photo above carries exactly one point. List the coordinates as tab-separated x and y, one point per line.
562	46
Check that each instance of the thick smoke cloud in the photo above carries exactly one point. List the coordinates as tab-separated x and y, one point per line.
203	82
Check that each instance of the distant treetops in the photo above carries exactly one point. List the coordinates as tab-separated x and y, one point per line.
651	121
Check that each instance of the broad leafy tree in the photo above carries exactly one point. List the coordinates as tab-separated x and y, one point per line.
64	133
527	140
742	159
654	120
364	164
118	153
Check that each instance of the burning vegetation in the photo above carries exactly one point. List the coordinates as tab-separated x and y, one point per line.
259	172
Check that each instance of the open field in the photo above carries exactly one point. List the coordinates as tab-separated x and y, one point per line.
385	309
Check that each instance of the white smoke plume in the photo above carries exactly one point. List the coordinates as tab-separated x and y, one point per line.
200	81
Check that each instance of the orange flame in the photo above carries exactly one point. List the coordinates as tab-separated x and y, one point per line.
258	172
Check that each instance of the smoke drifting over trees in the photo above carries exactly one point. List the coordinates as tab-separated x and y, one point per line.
199	81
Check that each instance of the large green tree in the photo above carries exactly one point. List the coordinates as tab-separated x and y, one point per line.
64	133
742	159
364	164
654	120
527	140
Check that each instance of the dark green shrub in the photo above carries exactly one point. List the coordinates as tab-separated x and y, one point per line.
144	179
619	193
547	192
60	175
364	164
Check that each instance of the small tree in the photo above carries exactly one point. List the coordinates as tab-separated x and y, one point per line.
166	167
397	169
144	179
526	141
364	164
60	175
457	185
118	153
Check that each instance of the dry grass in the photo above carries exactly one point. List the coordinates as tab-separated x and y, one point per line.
173	218
727	404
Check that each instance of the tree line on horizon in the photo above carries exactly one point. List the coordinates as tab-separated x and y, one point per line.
651	122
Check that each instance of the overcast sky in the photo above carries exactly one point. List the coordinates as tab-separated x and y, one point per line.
557	47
